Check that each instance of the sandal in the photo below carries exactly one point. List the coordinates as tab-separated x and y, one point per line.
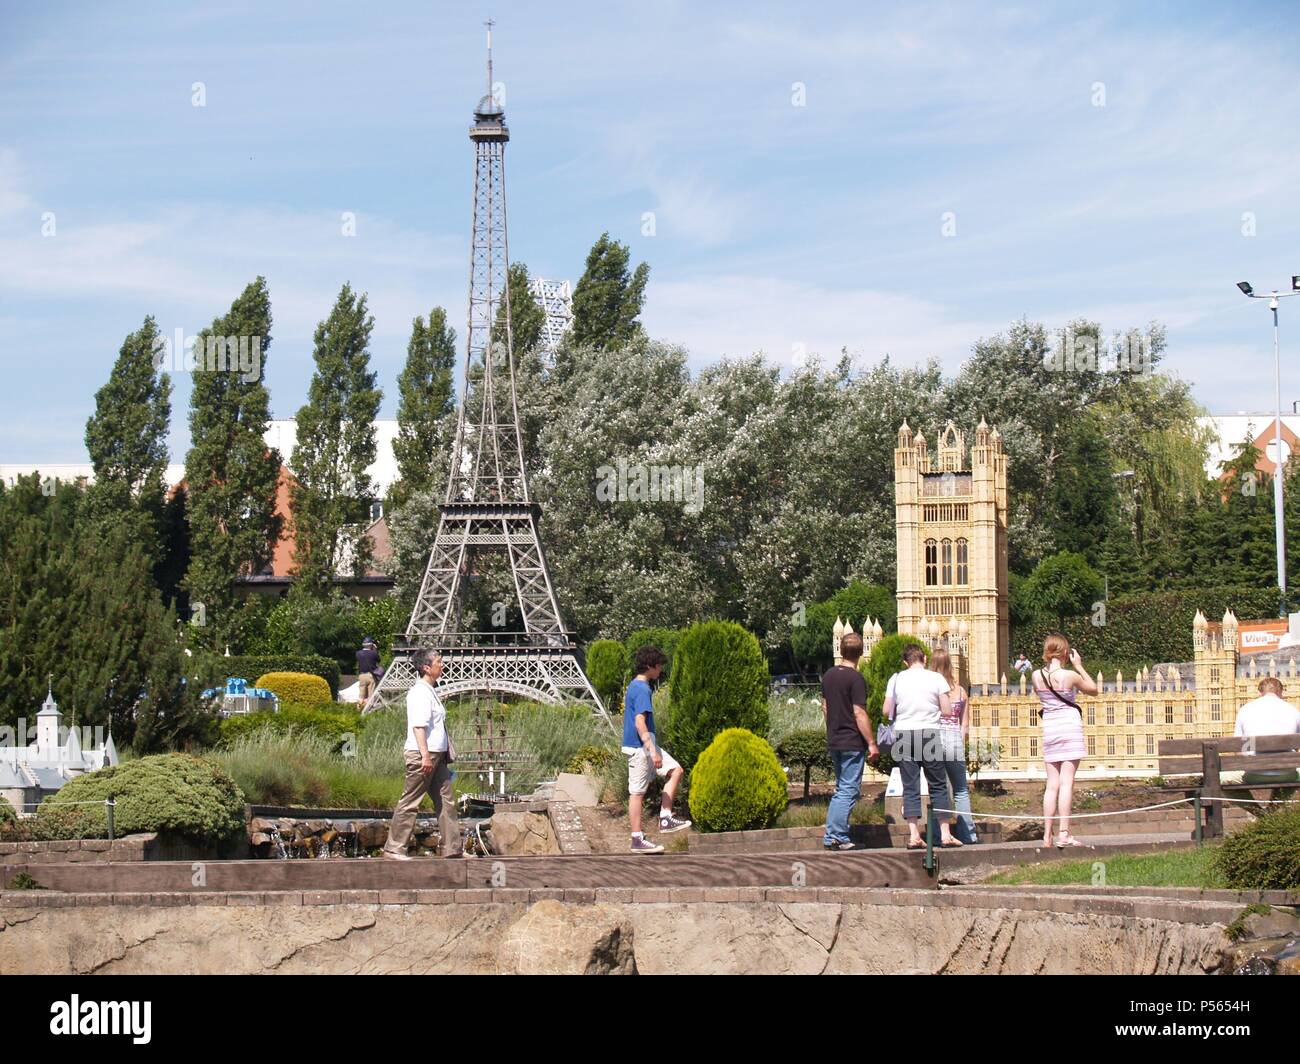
1065	840
916	845
951	844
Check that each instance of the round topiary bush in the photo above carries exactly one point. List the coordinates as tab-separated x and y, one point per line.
805	749
607	666
179	794
737	784
295	686
719	681
1264	855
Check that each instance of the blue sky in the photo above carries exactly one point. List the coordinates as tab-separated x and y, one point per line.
776	225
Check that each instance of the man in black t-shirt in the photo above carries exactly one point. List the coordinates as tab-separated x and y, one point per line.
848	738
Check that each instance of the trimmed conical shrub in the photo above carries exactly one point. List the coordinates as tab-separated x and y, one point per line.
719	681
608	667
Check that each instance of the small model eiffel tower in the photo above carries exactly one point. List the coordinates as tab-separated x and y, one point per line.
487	508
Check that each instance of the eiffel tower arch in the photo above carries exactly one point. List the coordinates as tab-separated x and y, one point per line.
487	509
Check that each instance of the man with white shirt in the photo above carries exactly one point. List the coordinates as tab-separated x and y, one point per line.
1269	714
428	753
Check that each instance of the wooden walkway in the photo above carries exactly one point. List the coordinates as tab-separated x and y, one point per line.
861	868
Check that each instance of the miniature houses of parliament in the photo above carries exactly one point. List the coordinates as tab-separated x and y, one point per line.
951	523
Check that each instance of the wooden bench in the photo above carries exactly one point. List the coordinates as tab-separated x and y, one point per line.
1210	757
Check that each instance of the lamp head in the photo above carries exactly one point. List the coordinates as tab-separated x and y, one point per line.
1295	282
1246	290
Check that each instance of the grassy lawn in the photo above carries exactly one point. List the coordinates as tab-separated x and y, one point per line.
1175	868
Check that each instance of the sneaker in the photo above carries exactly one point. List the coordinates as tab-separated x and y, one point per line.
836	845
397	856
646	846
670	823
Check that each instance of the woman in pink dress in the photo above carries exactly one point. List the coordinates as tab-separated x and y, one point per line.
1063	745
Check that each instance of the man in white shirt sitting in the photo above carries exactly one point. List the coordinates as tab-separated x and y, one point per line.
428	753
1269	714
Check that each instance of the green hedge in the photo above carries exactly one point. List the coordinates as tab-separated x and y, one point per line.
326	720
332	627
720	682
607	667
666	639
179	794
213	669
1144	629
813	642
737	784
1265	854
7	813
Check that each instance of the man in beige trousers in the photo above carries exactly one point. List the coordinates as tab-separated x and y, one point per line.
428	753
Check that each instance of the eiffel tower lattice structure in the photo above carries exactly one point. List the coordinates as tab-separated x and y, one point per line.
487	508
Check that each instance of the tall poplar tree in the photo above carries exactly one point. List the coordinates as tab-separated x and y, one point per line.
425	409
526	314
230	472
608	297
126	439
332	491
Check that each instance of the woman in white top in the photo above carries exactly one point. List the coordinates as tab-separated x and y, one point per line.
916	699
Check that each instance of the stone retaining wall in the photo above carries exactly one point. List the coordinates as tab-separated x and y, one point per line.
147	846
736	930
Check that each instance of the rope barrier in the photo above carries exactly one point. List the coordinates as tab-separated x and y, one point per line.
1119	812
38	805
1073	816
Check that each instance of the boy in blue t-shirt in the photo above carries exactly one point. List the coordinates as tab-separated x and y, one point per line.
645	757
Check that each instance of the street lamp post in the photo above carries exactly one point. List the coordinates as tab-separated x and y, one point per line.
1279	528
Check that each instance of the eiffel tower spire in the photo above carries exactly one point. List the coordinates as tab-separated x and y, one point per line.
487	508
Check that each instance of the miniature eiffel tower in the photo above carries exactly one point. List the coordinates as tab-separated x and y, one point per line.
487	508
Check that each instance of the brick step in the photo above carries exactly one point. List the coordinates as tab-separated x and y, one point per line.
799	840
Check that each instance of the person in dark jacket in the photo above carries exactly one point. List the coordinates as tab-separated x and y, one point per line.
367	665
